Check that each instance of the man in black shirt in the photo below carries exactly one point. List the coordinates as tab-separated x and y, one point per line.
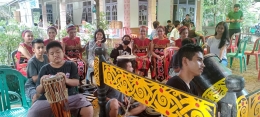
190	60
122	49
174	69
117	100
169	27
187	19
77	103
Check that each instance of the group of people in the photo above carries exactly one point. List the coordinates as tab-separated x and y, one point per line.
38	59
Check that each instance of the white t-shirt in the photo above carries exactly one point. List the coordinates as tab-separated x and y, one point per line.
213	44
175	34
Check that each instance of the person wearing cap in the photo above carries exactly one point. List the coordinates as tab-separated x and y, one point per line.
183	31
24	52
73	50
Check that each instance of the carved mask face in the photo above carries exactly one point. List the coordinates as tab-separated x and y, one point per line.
235	83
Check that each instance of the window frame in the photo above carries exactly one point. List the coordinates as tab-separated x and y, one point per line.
143	19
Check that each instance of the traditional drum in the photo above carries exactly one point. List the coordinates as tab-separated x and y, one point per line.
57	95
211	83
128	57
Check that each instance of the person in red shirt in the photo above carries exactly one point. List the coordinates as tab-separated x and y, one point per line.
184	31
73	51
159	58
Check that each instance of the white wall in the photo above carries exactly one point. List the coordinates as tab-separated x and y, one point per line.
120	10
134	13
164	11
55	11
77	12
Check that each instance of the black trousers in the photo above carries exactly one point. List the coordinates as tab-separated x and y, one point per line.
233	31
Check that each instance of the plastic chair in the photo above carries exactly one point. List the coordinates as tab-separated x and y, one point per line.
169	51
242	47
5	105
255	52
232	47
13	57
258	74
14	97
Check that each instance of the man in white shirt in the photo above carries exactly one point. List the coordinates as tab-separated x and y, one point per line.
154	32
175	32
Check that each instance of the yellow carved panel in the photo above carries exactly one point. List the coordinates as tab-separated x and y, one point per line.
242	106
162	98
96	71
216	92
254	104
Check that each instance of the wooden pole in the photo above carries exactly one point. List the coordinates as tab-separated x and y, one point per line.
101	89
199	16
97	13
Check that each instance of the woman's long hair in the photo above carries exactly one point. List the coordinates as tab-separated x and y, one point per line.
225	37
103	33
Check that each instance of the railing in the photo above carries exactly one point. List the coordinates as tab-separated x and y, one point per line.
163	99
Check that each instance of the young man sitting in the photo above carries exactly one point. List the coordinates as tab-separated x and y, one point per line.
77	103
116	100
190	60
33	67
194	34
121	49
174	69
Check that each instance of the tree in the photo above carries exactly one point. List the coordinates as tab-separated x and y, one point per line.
216	11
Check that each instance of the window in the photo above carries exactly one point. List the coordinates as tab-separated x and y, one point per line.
143	5
111	10
49	13
69	13
87	12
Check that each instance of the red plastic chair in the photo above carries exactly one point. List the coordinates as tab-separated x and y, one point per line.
233	47
205	51
258	74
169	51
255	52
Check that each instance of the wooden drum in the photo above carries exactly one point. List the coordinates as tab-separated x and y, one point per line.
57	95
132	58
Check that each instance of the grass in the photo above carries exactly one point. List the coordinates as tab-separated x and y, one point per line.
251	74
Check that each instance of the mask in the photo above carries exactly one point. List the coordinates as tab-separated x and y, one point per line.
126	42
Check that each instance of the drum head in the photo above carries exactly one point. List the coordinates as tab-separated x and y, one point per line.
131	57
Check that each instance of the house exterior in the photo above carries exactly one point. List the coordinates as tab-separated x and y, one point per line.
133	13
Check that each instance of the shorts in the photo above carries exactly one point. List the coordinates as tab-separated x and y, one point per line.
30	88
41	108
